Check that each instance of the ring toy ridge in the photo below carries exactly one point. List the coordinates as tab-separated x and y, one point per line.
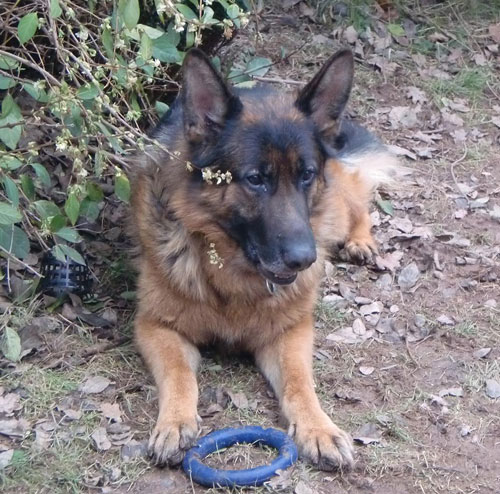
211	477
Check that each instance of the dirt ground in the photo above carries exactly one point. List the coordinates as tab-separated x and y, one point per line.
407	351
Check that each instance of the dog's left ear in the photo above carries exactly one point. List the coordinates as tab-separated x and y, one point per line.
326	95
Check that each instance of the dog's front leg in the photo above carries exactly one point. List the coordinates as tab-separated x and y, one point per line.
287	363
173	361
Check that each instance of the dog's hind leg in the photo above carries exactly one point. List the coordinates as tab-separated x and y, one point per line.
173	361
287	364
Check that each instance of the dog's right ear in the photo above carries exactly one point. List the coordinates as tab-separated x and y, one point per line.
206	99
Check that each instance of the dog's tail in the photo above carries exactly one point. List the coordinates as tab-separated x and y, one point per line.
361	151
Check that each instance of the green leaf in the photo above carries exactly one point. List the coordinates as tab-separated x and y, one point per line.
161	108
57	222
107	42
69	234
8	63
11	190
258	66
10	163
94	192
7	82
55	9
152	32
186	11
46	209
385	206
122	187
59	253
129	12
396	29
36	93
237	76
10	344
62	251
89	209
14	240
233	11
146	49
28	186
41	173
11	115
72	208
27	27
9	214
165	51
88	92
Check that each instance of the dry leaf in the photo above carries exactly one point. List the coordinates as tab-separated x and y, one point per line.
369	433
400	151
481	353
302	488
366	370
408	277
358	327
6	458
494	32
100	438
348	336
10	403
403	117
445	320
239	400
493	388
14	427
111	411
416	95
95	384
351	35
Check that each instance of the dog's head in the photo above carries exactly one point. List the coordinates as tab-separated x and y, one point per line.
272	143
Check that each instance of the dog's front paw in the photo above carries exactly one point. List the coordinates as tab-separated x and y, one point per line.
322	443
359	249
171	438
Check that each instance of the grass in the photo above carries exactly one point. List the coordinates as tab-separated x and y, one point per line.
469	83
466	328
43	387
328	314
478	371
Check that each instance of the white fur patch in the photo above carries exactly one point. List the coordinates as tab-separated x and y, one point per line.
375	167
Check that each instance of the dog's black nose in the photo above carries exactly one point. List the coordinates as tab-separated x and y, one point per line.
299	255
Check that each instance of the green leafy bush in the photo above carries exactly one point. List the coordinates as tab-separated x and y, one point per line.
77	82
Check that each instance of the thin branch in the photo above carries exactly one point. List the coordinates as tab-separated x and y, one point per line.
33	66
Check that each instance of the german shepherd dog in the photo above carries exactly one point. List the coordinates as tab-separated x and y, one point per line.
238	257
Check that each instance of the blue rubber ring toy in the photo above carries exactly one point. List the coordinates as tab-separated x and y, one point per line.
210	477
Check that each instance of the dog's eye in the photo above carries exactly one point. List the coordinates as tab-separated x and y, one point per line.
308	176
255	179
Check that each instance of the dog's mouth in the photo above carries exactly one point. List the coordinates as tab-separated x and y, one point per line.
277	278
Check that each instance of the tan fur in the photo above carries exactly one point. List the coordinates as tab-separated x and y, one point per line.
185	301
